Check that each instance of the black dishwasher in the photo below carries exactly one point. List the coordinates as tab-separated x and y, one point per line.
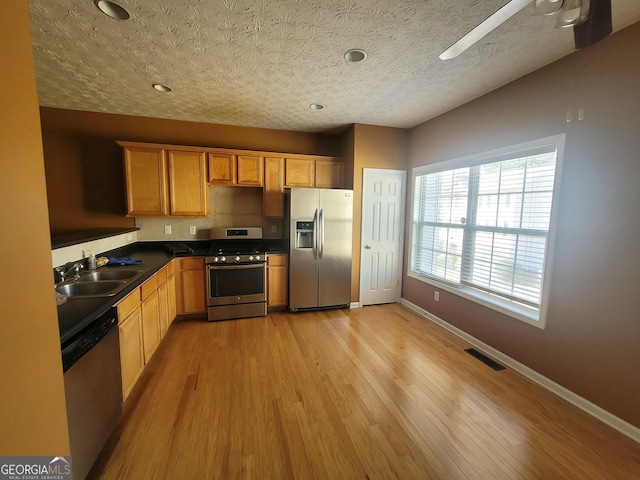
93	389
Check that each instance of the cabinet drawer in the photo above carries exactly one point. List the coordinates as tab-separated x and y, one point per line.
149	287
194	263
276	259
128	304
161	275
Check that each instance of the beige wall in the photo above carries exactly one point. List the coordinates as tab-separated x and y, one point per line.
85	179
373	147
33	418
592	341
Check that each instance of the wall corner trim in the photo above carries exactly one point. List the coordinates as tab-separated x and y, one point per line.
592	409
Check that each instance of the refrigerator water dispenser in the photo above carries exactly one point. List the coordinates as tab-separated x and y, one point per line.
304	234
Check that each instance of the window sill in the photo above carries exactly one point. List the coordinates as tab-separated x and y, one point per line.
512	309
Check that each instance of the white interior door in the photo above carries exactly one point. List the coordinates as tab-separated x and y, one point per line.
383	207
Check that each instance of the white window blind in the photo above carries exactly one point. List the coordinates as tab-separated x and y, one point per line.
485	225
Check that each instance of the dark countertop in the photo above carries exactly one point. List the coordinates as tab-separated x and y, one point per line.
76	314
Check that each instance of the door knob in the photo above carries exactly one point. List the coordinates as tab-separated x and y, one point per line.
368	247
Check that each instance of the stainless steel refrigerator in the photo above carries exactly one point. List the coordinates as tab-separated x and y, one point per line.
320	229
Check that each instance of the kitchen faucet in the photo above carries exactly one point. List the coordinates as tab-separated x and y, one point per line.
61	273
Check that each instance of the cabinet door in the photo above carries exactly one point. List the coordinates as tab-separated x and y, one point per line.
329	174
187	184
250	170
131	354
190	286
299	172
171	298
146	182
150	326
222	168
163	309
273	193
277	281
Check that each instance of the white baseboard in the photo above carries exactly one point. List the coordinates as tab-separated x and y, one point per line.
594	410
354	305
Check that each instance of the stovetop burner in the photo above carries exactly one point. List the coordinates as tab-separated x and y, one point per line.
236	253
236	245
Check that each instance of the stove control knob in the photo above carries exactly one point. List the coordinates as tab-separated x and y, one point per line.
215	259
251	258
224	259
237	259
257	257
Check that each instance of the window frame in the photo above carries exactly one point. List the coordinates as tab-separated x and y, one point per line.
520	311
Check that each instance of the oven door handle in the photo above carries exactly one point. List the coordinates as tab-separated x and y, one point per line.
235	267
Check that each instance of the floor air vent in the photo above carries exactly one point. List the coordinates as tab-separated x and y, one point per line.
484	359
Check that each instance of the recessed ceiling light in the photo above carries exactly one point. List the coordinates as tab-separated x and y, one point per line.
161	88
316	106
112	9
355	55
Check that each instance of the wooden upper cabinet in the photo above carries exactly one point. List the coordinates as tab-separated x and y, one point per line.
299	172
188	183
329	174
273	194
161	181
226	168
222	168
249	168
146	185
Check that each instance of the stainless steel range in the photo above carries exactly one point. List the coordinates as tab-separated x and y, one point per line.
236	274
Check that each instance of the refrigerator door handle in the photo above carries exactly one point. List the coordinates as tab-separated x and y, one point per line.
321	233
315	234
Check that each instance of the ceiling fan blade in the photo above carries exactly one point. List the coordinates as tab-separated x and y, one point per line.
597	26
491	23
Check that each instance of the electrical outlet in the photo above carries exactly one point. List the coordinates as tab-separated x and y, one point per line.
436	296
192	230
129	237
167	229
274	229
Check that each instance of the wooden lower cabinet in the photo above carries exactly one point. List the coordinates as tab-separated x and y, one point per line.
150	325
130	334
277	280
144	316
190	285
171	297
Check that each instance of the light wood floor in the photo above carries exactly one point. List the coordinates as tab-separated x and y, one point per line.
370	393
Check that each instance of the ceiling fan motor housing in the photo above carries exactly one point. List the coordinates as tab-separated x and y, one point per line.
597	26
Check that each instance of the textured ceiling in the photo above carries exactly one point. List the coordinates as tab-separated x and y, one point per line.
262	63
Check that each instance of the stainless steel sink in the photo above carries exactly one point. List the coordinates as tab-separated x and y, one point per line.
115	274
105	288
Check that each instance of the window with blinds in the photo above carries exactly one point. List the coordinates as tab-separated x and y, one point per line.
483	222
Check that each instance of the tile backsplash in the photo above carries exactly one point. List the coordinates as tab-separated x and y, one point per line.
228	207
